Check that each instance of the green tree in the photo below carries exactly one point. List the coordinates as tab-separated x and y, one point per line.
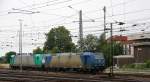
2	59
58	40
105	48
8	56
90	43
118	48
102	43
38	50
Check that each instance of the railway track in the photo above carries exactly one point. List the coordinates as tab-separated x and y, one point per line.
27	76
40	78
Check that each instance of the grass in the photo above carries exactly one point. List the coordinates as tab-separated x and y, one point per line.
130	70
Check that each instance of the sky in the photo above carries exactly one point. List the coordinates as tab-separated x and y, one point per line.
39	16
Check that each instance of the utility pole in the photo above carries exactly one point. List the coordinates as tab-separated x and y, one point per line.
81	30
111	74
81	27
104	9
20	43
111	51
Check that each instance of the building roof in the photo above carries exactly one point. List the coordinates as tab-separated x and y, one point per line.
139	36
141	43
119	38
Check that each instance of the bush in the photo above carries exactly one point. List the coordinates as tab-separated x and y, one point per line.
140	66
129	66
147	63
136	66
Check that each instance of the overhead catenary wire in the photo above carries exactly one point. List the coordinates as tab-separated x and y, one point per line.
86	27
43	3
21	1
131	12
31	7
62	17
99	31
111	6
78	3
59	7
52	4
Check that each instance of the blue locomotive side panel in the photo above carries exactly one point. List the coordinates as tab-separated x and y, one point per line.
88	59
48	59
99	59
92	60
